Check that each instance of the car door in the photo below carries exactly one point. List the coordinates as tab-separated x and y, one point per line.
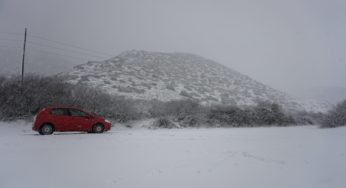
60	119
79	120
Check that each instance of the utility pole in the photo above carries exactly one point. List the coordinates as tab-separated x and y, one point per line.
23	55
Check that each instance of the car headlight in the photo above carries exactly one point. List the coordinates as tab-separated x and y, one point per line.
107	121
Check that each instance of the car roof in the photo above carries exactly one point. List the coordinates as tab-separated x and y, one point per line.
66	107
49	108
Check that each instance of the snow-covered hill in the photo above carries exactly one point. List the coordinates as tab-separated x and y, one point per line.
170	76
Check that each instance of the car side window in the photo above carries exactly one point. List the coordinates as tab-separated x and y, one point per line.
74	112
58	112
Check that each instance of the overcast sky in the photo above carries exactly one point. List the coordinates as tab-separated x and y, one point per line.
287	44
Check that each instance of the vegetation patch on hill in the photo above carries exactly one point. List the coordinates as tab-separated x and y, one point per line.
23	100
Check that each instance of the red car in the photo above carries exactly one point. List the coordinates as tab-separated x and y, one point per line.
63	119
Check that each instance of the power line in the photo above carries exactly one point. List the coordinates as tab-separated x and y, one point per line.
10	39
44	51
64	55
6	46
74	49
50	46
10	33
17	40
70	45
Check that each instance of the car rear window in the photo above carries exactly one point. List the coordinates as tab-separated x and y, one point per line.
58	111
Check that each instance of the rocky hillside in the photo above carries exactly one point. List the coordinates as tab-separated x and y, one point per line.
170	76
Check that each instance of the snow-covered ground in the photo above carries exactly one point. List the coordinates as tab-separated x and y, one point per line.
299	157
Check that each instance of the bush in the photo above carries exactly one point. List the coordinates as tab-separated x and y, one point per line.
156	109
177	108
265	113
110	106
308	118
230	116
181	108
336	117
195	120
25	100
188	113
164	123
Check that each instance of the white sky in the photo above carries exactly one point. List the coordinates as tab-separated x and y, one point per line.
287	44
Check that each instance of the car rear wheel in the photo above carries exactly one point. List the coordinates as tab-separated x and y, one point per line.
98	128
46	129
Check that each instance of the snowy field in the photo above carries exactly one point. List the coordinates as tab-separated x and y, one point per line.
292	157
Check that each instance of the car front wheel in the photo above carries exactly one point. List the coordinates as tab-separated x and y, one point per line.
98	128
46	129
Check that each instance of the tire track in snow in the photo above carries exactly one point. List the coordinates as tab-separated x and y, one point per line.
262	159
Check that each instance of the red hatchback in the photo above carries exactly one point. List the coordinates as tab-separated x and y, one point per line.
63	119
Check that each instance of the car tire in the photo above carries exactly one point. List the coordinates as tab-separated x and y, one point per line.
98	128
46	129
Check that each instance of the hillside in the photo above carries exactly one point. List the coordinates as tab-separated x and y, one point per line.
171	76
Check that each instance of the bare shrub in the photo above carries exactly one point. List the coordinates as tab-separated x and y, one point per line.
157	109
195	120
268	113
187	113
263	114
336	117
181	108
25	100
185	94
229	116
111	106
164	122
308	118
22	100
